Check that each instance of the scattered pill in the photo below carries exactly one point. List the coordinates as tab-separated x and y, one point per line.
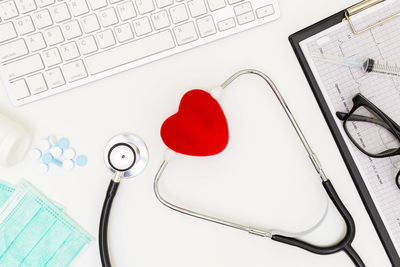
68	164
35	154
56	151
52	140
47	158
43	168
63	143
81	160
69	153
44	145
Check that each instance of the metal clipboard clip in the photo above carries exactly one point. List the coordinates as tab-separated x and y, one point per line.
361	7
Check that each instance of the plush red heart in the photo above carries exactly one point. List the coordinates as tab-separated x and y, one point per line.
199	128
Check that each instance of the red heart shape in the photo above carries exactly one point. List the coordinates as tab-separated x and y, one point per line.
199	128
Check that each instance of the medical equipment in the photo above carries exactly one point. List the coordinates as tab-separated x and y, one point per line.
50	47
15	141
178	134
5	192
367	66
126	155
35	232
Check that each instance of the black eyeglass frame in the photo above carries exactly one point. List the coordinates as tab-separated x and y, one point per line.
384	120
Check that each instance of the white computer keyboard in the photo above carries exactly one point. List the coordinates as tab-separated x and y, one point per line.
49	46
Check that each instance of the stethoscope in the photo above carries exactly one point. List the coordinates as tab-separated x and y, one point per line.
126	156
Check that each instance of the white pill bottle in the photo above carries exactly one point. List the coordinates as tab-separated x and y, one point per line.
15	141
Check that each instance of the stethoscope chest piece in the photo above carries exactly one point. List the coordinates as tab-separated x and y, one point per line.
127	154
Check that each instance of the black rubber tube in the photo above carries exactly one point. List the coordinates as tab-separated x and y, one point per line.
103	229
343	245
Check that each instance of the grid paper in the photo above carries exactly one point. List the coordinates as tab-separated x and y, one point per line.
339	84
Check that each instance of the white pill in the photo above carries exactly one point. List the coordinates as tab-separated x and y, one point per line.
56	151
43	168
44	145
69	153
68	164
52	140
35	154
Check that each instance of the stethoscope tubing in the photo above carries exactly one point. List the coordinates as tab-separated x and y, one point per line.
104	218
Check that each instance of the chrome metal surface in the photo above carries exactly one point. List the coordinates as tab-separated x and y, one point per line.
138	146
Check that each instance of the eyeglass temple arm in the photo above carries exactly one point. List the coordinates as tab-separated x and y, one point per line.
354	117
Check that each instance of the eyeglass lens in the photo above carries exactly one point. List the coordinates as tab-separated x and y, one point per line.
370	132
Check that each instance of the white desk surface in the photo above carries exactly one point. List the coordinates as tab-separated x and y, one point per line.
263	178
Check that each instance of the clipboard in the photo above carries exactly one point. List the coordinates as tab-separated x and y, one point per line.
295	40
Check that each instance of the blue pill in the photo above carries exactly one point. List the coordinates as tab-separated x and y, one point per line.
47	158
63	143
81	160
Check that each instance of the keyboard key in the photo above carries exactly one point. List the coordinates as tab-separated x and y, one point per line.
130	52
42	19
71	29
243	8
226	24
197	8
87	45
96	4
74	71
78	7
23	66
44	3
245	18
216	4
142	26
36	83
160	20
54	78
164	3
53	35
8	10
123	32
185	33
108	17
51	57
145	6
126	10
90	23
69	51
35	42
178	13
105	38
25	6
60	12
114	1
23	25
265	11
19	89
7	32
13	50
206	26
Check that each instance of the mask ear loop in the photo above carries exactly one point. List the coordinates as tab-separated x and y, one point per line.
216	93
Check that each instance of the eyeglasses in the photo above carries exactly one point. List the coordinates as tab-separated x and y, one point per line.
372	131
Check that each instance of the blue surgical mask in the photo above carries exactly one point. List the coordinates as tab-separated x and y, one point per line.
5	192
35	232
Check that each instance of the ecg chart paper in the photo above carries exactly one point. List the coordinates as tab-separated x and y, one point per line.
339	84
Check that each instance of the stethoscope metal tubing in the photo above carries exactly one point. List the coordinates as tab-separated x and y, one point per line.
344	244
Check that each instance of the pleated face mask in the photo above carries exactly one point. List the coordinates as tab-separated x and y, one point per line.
5	192
34	232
